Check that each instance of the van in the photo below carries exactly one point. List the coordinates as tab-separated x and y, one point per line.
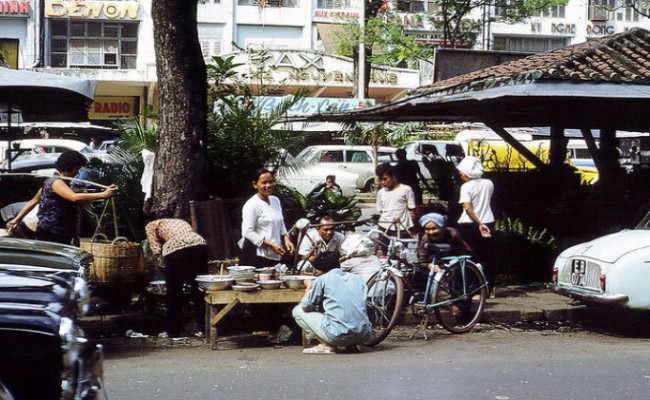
352	159
498	155
445	149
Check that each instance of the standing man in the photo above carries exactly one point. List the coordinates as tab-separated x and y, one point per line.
395	203
185	255
333	310
476	222
321	239
408	173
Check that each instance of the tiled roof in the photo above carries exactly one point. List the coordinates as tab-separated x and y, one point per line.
620	58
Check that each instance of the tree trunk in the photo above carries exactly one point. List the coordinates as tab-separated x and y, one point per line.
182	109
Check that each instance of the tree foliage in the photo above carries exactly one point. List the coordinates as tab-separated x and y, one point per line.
241	135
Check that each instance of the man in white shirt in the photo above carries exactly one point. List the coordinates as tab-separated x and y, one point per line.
321	239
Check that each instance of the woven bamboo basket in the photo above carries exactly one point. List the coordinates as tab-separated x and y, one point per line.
117	260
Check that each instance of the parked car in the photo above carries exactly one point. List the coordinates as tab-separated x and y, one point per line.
611	270
307	178
444	149
352	159
43	293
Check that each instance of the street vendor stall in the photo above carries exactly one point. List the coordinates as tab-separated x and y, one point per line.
220	302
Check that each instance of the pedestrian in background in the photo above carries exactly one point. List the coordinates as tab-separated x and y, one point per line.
476	223
185	255
408	173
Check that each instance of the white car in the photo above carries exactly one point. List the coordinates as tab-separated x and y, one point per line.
304	180
610	270
337	158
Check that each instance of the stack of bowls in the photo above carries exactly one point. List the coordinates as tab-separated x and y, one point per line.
242	273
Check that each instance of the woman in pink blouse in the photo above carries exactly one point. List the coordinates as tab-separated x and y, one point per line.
185	255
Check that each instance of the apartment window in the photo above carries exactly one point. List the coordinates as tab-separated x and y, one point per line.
334	4
552	12
416	6
269	3
528	44
626	14
211	38
93	44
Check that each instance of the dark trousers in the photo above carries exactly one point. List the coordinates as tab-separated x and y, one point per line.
52	237
182	267
482	249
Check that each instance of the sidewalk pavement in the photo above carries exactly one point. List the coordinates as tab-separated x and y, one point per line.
512	304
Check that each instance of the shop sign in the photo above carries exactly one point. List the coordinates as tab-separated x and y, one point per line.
312	105
306	105
112	107
307	67
116	10
604	30
556	28
14	8
337	14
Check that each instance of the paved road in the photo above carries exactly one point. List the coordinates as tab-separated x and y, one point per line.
494	362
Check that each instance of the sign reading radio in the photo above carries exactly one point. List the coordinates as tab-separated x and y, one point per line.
14	8
92	9
112	107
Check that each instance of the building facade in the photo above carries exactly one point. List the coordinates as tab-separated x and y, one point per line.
111	41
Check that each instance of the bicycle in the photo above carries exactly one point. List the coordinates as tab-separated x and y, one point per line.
455	292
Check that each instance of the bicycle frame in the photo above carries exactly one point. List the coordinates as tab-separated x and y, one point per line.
433	282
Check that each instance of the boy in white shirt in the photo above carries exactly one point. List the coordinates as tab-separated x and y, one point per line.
395	203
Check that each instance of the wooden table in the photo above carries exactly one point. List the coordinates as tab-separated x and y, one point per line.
230	298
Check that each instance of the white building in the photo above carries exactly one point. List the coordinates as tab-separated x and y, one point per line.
111	41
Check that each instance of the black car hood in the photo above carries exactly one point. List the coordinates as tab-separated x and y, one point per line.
43	254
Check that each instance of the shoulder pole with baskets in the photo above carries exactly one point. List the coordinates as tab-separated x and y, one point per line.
116	261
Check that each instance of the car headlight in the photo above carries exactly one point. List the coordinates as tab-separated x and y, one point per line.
68	336
84	271
82	294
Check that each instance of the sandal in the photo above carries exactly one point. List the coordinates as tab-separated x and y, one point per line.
320	349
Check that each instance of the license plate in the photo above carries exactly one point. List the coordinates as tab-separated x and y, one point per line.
579	272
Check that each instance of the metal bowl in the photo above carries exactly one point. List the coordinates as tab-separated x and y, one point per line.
214	282
270	284
296	281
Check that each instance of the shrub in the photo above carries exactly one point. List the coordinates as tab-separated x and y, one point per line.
522	254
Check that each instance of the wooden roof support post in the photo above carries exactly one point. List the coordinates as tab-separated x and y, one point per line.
516	145
593	149
557	153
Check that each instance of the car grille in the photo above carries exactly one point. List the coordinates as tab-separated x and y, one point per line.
583	273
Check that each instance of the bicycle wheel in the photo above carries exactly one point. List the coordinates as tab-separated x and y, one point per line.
462	295
384	302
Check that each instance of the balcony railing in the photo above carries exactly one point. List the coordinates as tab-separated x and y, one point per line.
598	13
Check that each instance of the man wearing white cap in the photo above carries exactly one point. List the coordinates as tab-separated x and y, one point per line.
477	220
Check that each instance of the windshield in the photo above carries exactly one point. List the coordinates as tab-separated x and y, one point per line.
308	155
